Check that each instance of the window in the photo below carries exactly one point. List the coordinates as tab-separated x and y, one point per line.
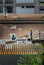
24	10
9	9
41	11
41	0
22	6
24	1
1	1
29	6
1	9
8	1
42	4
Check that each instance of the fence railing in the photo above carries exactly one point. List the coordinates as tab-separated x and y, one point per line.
19	49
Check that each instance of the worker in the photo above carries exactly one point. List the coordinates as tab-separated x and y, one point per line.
13	37
31	34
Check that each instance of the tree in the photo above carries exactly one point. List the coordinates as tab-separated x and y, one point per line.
41	55
30	60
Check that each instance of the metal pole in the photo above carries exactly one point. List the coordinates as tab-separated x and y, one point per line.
5	11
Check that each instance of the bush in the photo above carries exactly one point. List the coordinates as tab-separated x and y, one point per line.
30	60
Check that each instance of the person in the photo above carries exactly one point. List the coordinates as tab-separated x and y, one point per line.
13	37
31	34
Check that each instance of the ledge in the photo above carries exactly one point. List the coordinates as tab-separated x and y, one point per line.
21	17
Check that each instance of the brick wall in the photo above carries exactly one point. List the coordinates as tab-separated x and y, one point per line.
6	31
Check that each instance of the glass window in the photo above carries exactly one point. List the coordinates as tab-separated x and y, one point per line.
24	10
41	11
42	4
9	9
1	9
8	1
1	1
41	0
24	1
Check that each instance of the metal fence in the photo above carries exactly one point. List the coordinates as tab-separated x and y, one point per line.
11	53
19	49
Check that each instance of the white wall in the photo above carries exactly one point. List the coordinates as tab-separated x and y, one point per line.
24	1
25	10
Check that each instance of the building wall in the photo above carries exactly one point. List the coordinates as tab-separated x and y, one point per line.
14	4
19	29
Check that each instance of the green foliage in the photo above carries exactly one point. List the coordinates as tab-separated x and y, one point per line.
33	59
43	45
30	60
41	54
42	57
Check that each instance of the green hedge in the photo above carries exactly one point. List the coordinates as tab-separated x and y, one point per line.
30	60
